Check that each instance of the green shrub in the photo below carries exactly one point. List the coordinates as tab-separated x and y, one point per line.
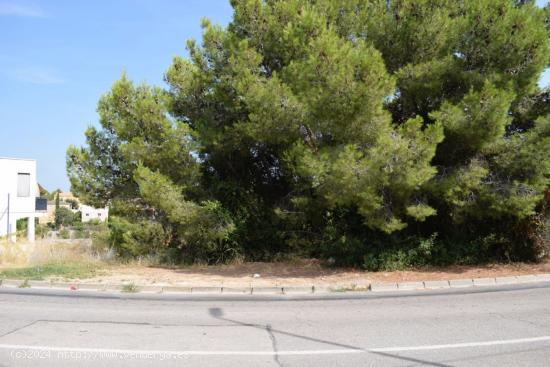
101	239
64	233
80	233
418	252
21	224
141	238
41	230
129	288
544	244
65	217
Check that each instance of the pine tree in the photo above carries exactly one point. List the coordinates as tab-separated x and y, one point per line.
141	164
320	126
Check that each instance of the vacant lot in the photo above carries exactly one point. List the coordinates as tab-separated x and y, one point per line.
49	260
299	273
75	261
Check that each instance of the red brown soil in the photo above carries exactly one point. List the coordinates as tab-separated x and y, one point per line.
305	272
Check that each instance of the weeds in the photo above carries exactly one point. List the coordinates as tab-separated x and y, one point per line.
352	288
129	288
70	270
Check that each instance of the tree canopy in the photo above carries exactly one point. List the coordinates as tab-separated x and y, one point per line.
367	130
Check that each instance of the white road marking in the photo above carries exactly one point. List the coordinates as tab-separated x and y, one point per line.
181	353
166	353
462	345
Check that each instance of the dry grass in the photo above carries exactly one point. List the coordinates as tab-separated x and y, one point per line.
49	260
76	260
21	253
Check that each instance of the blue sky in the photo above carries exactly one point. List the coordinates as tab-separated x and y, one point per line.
59	56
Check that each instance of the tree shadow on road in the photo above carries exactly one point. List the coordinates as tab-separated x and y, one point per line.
218	313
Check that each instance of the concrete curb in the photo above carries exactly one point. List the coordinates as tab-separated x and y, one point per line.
383	287
411	286
461	283
279	290
437	284
237	290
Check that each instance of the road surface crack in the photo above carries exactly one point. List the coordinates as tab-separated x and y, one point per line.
19	328
274	345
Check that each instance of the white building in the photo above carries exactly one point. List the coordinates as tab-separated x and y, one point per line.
18	193
90	213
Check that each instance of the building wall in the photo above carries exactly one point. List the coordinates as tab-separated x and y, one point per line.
90	213
49	216
20	207
67	196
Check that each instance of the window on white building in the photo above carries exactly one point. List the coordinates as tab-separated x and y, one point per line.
24	185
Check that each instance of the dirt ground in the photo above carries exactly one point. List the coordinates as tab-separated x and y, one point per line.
307	272
294	273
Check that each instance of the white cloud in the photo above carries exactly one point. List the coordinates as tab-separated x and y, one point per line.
20	10
36	75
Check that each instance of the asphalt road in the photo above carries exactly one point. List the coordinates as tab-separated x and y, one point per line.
487	327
